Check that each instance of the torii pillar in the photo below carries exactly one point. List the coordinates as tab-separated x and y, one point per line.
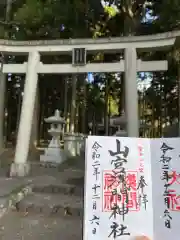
131	66
131	93
20	167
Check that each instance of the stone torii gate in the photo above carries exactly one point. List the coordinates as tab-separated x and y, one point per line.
34	49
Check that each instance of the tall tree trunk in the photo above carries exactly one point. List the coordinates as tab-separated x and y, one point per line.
8	15
73	104
19	102
106	122
65	101
122	95
83	107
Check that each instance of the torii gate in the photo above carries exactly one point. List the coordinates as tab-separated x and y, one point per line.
130	65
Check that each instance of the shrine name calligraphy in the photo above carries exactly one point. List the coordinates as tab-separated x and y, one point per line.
118	187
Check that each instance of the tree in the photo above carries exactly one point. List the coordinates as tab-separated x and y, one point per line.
167	15
39	19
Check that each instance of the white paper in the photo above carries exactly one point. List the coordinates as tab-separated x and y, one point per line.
159	207
139	221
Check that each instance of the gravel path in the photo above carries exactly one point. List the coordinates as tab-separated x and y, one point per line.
15	226
30	226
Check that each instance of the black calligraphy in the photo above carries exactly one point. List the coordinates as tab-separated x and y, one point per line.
118	230
118	178
165	160
95	221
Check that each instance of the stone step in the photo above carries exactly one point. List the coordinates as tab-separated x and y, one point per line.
51	204
60	188
44	164
39	169
16	226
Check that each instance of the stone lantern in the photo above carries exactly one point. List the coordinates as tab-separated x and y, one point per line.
54	153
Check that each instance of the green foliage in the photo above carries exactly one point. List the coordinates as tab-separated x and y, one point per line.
111	11
46	19
113	108
168	14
